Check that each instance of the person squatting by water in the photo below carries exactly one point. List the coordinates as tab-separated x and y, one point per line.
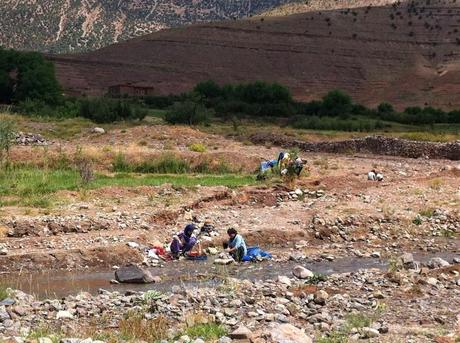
184	241
236	246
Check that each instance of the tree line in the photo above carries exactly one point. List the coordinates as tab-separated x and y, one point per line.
28	81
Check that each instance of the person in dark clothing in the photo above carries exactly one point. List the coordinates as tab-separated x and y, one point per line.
236	245
183	242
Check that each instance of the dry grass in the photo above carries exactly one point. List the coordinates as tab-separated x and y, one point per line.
134	327
436	184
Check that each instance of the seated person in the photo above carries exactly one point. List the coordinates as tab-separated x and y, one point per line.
207	228
236	246
183	242
298	165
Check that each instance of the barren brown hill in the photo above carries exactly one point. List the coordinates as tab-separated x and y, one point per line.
405	53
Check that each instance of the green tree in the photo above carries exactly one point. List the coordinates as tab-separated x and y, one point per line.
336	104
208	89
189	112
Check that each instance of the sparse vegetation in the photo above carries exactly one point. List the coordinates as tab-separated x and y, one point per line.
206	331
4	293
134	327
7	136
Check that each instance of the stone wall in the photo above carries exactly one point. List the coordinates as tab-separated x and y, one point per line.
377	145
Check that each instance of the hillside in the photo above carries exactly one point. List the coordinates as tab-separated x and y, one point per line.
406	53
64	25
321	5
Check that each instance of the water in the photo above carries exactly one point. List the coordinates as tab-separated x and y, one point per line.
56	284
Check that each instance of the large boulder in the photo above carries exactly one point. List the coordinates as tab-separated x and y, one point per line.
133	274
437	262
302	273
287	333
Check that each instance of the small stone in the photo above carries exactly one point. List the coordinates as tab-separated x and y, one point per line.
45	340
407	258
370	332
212	251
375	254
241	332
432	281
4	315
320	297
223	261
225	339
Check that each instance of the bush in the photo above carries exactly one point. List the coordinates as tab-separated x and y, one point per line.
68	108
104	110
189	112
197	147
336	104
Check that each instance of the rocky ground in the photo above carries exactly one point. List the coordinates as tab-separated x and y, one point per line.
330	213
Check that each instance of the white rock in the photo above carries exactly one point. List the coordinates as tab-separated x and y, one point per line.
370	332
432	281
284	280
98	130
302	273
64	315
287	333
45	340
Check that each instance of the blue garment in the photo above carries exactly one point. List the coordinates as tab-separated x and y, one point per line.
255	252
264	166
237	242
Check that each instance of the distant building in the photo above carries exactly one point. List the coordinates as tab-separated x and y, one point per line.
129	89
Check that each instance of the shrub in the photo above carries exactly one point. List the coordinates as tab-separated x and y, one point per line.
104	110
165	164
336	104
7	136
189	112
197	147
120	164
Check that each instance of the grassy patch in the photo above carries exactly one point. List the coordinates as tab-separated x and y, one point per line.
426	212
207	332
352	321
34	187
170	163
45	331
134	327
4	292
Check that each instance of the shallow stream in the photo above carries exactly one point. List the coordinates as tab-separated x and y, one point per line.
188	273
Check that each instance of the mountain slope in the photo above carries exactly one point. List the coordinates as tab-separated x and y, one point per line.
321	5
79	25
408	54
